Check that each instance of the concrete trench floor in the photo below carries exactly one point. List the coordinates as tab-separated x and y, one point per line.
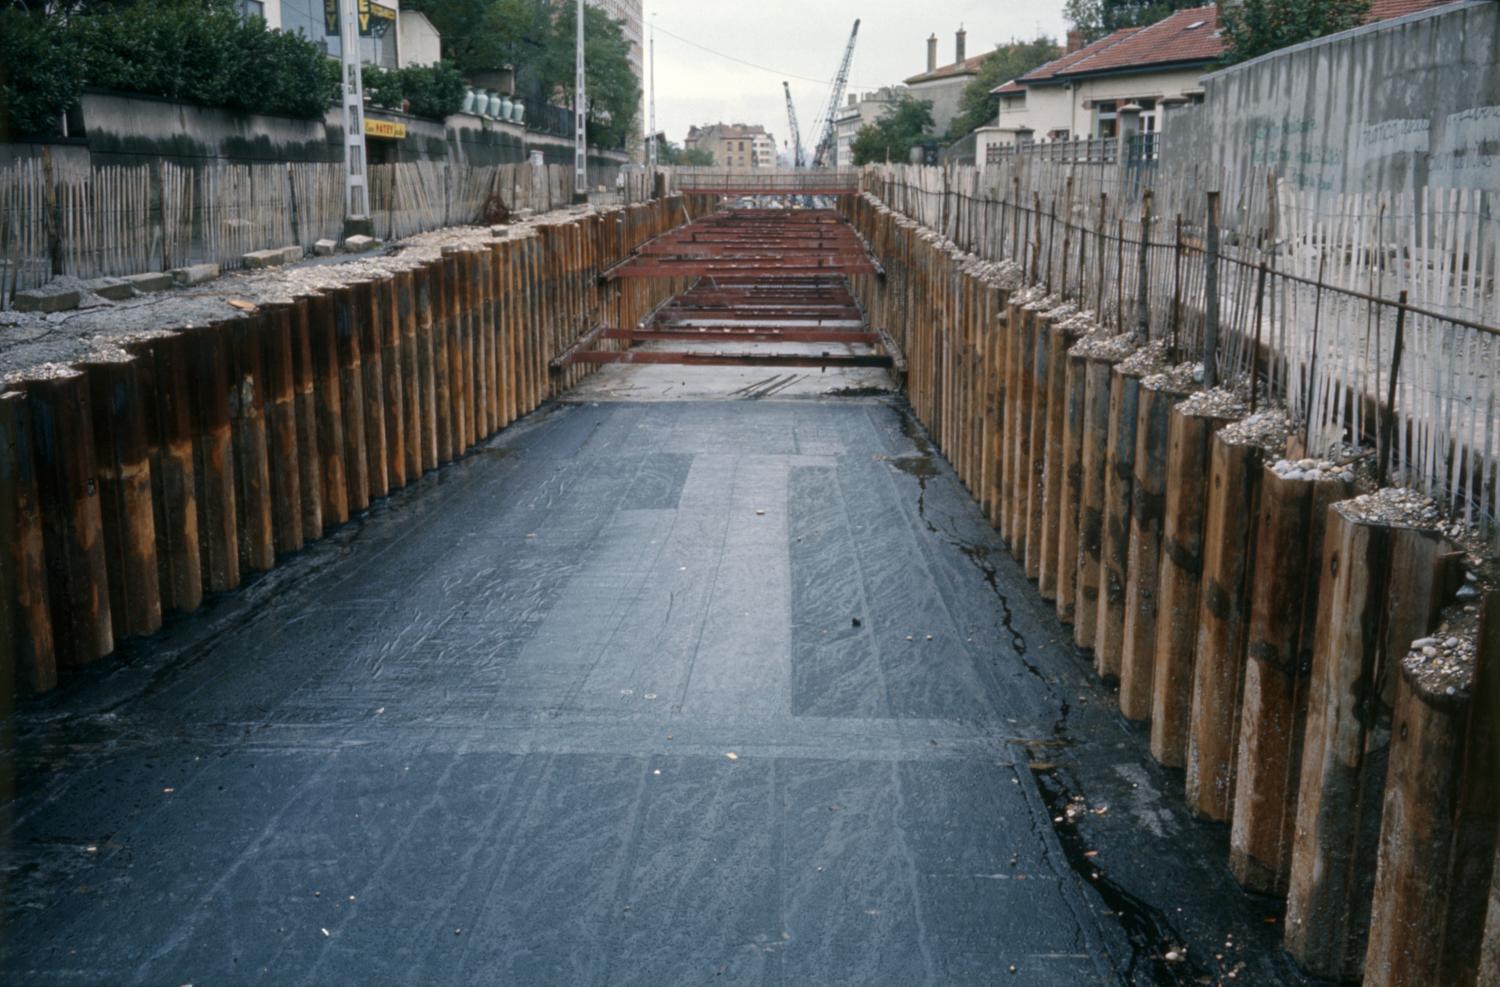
699	690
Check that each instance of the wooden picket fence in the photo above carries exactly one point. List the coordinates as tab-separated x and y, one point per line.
1375	319
61	219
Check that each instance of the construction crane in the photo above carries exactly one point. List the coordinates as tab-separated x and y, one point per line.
798	159
824	153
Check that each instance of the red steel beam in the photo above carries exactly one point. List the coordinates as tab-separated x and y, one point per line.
711	358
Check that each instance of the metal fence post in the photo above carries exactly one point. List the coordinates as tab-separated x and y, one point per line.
1143	276
1211	301
1387	432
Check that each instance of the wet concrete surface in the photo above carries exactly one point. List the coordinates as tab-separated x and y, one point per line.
641	692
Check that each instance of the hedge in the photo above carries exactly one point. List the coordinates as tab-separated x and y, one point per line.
193	51
430	90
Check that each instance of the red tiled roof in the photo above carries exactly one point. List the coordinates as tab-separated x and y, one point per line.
969	66
1384	10
1184	38
1058	66
1188	35
1009	89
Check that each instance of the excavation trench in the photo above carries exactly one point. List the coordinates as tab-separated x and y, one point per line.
560	645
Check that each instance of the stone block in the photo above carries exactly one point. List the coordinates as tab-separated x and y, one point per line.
46	299
326	248
359	244
195	274
151	281
257	259
114	289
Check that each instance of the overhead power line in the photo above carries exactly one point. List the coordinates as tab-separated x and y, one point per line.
763	68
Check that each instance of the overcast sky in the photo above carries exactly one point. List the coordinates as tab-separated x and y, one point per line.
806	38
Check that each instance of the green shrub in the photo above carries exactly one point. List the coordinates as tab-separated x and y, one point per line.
383	87
433	90
205	52
430	90
39	75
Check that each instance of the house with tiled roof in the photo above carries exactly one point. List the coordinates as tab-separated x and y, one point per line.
943	85
1153	69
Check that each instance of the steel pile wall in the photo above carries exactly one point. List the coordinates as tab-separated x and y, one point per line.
1260	622
134	487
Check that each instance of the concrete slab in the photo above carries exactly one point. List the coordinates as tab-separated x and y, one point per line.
325	248
273	257
112	289
194	274
48	298
359	244
151	281
640	692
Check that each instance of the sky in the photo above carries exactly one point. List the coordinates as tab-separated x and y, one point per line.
806	39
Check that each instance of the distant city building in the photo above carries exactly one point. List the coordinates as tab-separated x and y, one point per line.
943	85
734	145
861	110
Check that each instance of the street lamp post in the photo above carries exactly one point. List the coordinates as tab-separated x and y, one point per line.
580	134
356	191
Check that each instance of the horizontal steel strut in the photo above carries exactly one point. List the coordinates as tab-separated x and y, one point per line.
760	276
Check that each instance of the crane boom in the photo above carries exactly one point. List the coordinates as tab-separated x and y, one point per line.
798	160
825	142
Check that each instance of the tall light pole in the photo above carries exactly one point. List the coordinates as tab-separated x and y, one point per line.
356	192
651	140
580	134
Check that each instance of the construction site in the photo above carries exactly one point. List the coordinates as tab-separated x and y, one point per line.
1072	568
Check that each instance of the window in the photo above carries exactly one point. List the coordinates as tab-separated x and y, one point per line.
253	8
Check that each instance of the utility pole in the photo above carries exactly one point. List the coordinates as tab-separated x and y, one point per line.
651	140
580	132
356	191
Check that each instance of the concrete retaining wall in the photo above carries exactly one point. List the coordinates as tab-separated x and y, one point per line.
1391	107
110	128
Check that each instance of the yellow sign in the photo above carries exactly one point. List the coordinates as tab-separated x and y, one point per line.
369	9
385	128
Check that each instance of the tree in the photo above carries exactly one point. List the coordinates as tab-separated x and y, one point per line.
482	35
537	38
614	92
668	153
1255	27
1086	17
39	75
976	106
891	137
1093	19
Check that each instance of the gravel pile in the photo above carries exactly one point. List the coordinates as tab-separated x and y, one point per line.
1397	506
1218	402
1098	346
1443	664
1314	469
1004	274
1180	378
28	339
1267	430
1080	322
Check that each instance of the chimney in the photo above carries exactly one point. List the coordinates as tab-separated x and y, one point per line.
958	45
1075	42
932	53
